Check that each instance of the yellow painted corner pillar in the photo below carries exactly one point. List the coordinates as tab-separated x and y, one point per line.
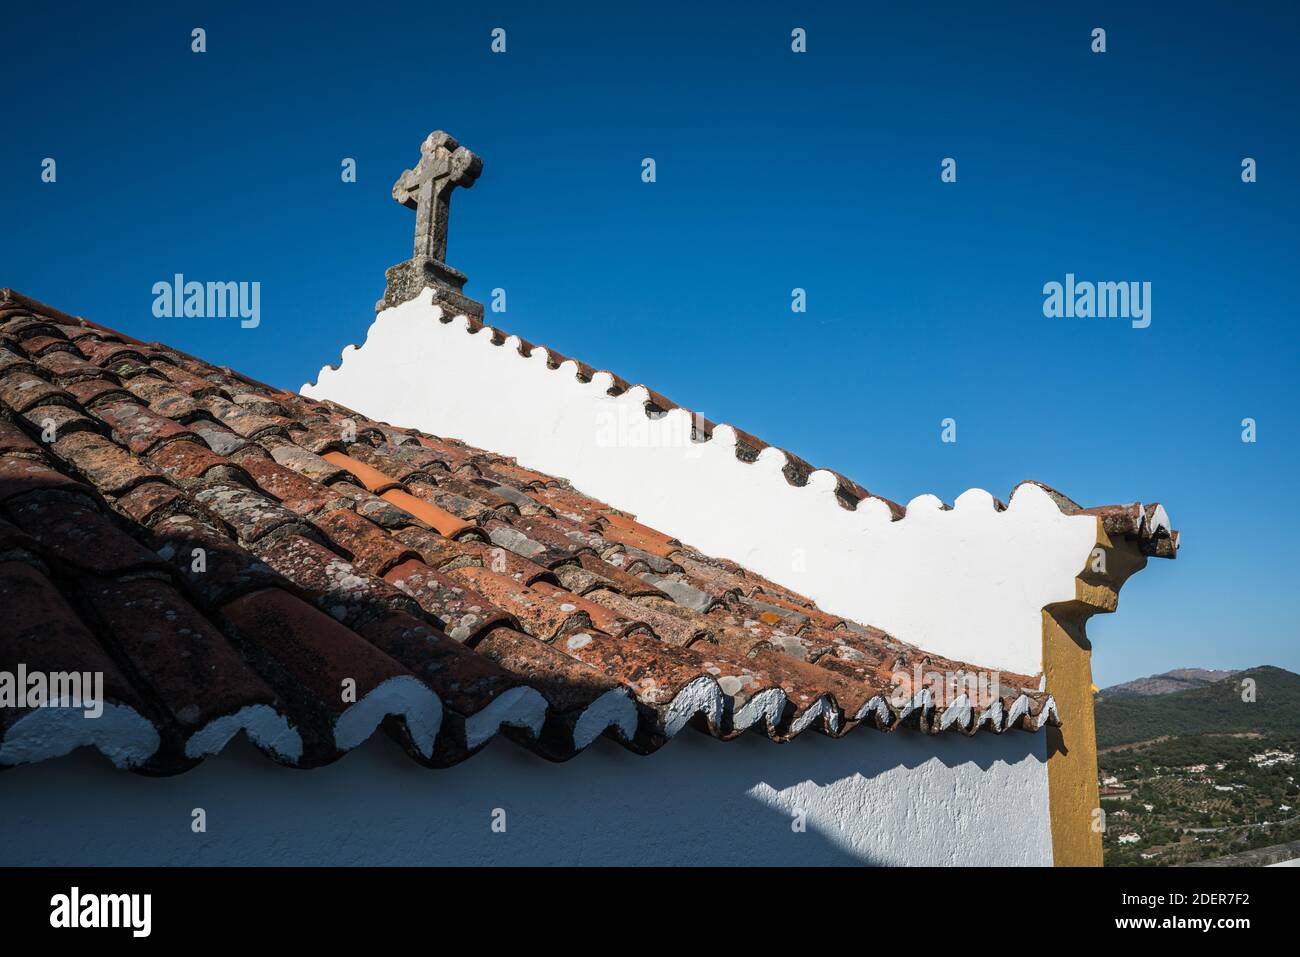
1073	796
1071	748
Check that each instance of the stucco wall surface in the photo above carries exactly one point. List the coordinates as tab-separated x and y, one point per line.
901	798
967	582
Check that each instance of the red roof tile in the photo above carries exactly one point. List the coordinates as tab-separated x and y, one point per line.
232	557
443	522
373	479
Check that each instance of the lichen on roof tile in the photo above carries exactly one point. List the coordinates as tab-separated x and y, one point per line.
250	548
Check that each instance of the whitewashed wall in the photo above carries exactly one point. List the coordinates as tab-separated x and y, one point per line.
968	582
870	798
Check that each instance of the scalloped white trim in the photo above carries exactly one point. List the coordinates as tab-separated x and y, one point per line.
520	707
614	709
821	710
265	727
992	717
121	734
959	713
1018	707
883	713
403	696
766	707
701	695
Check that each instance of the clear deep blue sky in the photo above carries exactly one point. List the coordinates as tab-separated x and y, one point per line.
775	170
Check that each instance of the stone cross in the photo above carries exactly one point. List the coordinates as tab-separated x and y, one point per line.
444	165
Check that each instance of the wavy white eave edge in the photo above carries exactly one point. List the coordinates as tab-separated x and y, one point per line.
130	740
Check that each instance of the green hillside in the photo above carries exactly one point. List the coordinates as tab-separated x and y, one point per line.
1214	708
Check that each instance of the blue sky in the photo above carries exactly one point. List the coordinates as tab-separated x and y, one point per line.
774	171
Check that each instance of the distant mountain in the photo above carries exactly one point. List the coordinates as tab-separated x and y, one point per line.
1216	707
1180	679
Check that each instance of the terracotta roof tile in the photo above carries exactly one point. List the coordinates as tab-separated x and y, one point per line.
21	390
459	610
251	516
322	668
243	553
636	561
389	469
479	490
602	617
505	562
567	683
90	391
714	577
542	615
41	632
11	361
521	503
106	353
574	577
668	628
681	590
654	674
438	551
363	541
307	464
374	509
297	493
14	540
64	365
14	439
18	476
621	580
181	656
148	501
222	440
109	467
36	345
158	392
418	458
187	383
213	567
72	531
56	420
466	509
656	545
241	420
535	541
187	460
625	523
522	477
572	505
444	522
452	456
373	479
334	585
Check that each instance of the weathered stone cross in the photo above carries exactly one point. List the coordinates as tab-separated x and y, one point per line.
444	165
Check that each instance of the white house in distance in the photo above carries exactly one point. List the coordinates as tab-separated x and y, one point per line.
534	594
